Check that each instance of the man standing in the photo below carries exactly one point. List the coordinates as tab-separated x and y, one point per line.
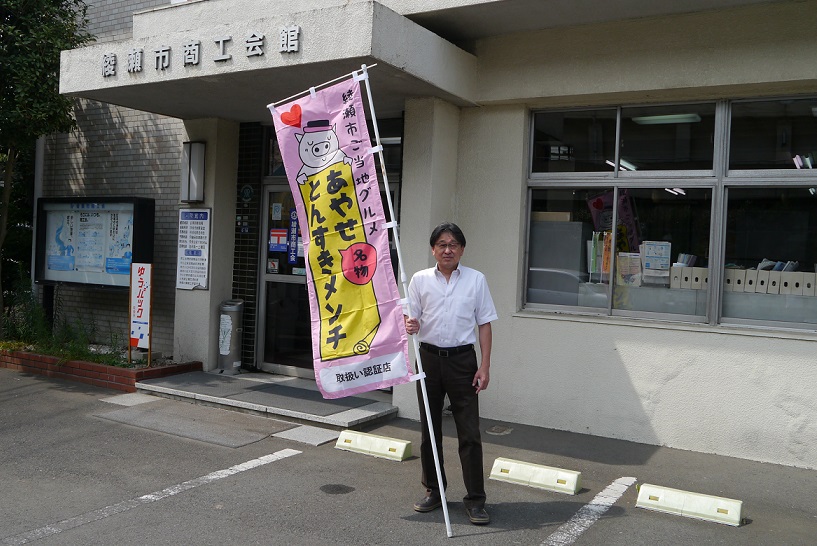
451	308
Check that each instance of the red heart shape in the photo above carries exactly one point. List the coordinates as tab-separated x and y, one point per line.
293	117
598	204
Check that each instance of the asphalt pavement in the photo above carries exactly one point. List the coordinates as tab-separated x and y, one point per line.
84	465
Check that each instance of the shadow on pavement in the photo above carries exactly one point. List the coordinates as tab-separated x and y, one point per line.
548	442
512	516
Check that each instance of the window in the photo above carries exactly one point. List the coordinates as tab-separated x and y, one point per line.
778	134
575	141
673	254
562	267
771	255
273	164
667	138
663	236
573	253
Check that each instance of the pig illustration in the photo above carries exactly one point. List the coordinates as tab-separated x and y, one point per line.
318	148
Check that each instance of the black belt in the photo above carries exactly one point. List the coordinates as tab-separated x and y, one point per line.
445	352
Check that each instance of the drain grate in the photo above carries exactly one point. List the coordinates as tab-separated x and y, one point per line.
498	430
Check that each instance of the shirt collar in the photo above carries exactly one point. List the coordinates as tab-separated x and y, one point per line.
457	272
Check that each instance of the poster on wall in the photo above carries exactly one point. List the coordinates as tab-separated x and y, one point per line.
92	241
60	234
193	262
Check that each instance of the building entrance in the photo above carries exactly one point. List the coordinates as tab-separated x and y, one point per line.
285	344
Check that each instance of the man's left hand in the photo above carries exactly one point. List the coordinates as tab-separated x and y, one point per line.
481	379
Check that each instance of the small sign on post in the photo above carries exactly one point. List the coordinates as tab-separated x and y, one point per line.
140	310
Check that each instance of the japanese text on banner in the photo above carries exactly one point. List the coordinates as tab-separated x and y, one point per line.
358	336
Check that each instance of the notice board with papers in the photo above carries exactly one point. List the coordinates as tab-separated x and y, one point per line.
92	240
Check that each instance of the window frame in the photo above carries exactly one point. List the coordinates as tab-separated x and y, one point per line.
783	175
596	175
718	180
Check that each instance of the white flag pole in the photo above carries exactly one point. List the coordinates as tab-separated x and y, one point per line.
420	373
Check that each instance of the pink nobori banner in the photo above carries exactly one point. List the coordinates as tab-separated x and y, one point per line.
359	340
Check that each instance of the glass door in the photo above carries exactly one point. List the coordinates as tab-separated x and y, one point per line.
285	346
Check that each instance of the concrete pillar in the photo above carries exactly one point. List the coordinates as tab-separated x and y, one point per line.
429	181
428	185
196	319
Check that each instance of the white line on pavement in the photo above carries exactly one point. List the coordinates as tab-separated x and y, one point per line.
588	514
124	506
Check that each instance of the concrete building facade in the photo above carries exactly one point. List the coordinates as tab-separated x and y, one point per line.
537	126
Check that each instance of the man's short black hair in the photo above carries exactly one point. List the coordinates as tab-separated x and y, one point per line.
447	227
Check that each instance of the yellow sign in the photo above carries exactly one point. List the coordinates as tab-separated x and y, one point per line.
342	263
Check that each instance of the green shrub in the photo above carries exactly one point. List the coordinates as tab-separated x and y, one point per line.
26	326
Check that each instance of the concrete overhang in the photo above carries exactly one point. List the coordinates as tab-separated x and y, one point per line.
334	40
466	21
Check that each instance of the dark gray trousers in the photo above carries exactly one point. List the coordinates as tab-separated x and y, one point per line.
453	375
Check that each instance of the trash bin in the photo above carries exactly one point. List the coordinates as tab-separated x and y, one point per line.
230	330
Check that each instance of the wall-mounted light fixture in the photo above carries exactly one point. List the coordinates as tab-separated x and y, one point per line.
192	187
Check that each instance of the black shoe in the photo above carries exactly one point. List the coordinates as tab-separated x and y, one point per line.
430	502
478	515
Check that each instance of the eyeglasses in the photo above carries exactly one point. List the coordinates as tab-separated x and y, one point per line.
452	246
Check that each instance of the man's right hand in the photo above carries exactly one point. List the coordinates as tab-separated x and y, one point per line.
412	325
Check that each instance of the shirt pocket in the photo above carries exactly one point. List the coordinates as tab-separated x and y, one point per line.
463	308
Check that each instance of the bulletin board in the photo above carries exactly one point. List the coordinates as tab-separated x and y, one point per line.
92	241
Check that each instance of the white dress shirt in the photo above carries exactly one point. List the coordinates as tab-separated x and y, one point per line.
449	310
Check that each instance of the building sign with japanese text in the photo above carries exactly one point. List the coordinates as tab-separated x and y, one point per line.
190	52
359	341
